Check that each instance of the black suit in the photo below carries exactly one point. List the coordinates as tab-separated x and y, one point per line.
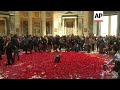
16	44
9	48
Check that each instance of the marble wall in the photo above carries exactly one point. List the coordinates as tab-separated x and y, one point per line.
37	22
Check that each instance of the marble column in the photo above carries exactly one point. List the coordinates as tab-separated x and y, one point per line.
29	22
98	28
53	21
109	25
17	22
118	24
7	32
75	32
43	23
95	28
63	22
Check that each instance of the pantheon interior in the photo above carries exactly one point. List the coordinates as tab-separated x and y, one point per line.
58	23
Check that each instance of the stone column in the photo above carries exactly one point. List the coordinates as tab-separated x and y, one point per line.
63	23
53	24
43	23
95	28
29	22
7	24
118	24
75	32
98	28
17	22
109	25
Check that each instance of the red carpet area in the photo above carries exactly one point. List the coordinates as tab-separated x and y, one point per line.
73	65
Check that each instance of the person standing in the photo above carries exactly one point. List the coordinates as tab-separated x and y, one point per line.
26	44
56	43
30	43
35	43
93	43
15	42
49	44
9	51
101	45
88	44
82	42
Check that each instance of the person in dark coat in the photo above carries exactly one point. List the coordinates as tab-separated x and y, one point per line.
15	42
30	46
26	44
67	46
61	44
76	47
82	43
9	50
88	44
40	43
56	43
101	46
1	47
44	40
35	43
49	44
93	43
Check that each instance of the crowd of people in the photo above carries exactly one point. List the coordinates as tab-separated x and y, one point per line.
11	45
14	43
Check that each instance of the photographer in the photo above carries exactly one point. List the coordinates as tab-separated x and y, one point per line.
116	59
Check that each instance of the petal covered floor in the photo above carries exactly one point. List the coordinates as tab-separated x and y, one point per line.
73	65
